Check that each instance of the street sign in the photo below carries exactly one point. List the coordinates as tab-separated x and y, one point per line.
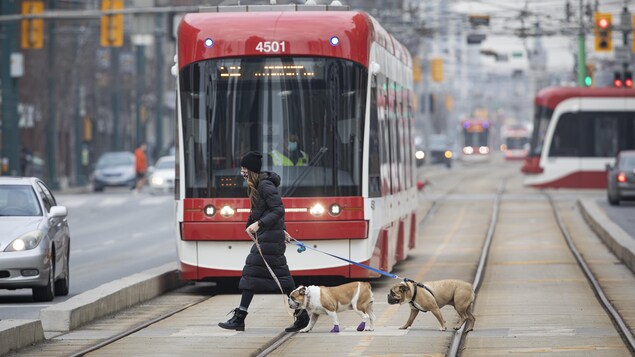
622	54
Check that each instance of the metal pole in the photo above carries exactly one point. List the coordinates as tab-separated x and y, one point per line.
10	132
140	137
80	179
114	81
581	50
51	123
159	56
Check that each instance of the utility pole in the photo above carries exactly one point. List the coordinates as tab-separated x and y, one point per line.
625	23
114	82
10	164
581	49
159	58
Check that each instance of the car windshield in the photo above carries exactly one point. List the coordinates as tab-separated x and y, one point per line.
110	160
165	164
627	162
18	200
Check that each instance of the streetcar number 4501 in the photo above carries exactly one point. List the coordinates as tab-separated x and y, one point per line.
270	46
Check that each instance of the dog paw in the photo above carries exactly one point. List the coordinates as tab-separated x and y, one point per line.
403	327
336	328
304	330
361	327
443	328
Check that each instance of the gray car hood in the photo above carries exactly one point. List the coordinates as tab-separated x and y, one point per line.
12	227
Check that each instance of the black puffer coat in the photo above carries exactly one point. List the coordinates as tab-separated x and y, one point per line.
270	212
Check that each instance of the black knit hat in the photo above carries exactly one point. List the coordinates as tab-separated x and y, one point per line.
252	161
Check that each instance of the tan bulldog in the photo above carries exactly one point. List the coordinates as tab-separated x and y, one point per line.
325	300
432	296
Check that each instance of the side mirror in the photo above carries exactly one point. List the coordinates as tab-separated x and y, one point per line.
58	211
608	167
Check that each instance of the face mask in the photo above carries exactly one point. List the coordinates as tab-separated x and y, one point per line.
244	174
292	145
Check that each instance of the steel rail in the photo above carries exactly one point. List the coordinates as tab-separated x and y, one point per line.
139	327
459	335
616	318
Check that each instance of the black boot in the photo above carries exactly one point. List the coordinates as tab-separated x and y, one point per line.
301	321
237	322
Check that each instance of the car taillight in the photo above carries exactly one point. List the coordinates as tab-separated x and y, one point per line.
621	177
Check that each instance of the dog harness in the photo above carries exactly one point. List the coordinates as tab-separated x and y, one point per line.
414	296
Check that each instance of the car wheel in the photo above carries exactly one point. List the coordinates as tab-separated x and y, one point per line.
62	285
46	293
98	188
612	201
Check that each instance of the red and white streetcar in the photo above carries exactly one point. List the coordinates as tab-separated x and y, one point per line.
475	139
334	84
576	133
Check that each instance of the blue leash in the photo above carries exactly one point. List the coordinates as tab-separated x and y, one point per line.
303	247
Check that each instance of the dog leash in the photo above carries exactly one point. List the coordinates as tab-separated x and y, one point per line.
273	275
303	247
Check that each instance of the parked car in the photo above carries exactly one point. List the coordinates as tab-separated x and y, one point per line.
621	178
162	175
34	239
114	169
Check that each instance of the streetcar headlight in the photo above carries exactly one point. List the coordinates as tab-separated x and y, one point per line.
317	210
468	150
420	155
209	42
483	150
335	209
210	210
227	211
334	41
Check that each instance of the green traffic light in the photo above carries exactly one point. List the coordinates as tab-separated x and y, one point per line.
588	81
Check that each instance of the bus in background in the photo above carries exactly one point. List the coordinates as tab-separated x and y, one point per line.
338	84
515	141
475	139
576	133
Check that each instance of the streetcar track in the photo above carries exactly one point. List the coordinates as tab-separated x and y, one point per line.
617	319
137	328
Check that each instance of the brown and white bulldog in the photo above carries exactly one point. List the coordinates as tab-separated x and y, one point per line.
329	300
432	296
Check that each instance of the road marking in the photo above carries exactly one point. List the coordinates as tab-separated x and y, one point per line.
112	201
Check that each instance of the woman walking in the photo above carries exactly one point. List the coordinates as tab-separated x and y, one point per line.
266	222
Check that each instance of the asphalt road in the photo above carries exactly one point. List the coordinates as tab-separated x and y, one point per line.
114	234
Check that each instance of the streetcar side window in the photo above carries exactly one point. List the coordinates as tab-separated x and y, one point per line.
374	175
566	138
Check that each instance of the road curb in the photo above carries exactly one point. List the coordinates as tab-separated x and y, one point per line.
620	243
110	298
15	334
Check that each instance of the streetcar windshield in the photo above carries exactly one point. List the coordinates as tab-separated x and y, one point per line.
304	114
541	123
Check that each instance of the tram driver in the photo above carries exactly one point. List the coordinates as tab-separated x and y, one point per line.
291	154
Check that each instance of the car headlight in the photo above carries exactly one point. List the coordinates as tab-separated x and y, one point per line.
157	180
24	242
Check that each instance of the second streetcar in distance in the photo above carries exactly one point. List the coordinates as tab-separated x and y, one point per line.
475	139
576	133
326	97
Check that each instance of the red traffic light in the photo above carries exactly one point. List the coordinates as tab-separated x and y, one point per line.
603	23
628	80
617	79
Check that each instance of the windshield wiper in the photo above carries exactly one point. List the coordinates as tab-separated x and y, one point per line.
305	171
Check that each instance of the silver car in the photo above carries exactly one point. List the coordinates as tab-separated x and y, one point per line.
34	239
162	175
115	169
621	178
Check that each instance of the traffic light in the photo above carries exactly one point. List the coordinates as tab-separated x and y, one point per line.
628	79
603	32
436	67
617	80
590	75
112	25
32	29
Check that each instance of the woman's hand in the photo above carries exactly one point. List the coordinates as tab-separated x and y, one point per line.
287	237
253	228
